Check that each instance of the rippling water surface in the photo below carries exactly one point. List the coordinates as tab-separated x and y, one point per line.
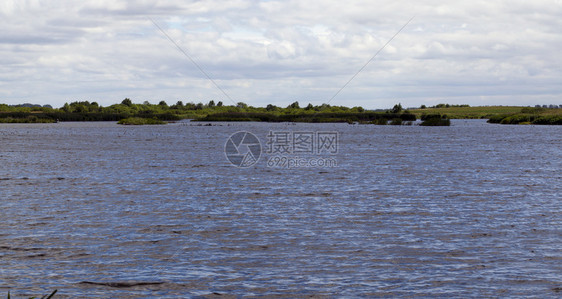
99	210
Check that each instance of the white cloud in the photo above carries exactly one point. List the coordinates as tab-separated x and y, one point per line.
261	52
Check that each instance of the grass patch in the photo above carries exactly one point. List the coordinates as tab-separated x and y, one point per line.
139	121
530	116
467	112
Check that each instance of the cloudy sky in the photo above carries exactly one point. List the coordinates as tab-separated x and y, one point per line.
261	52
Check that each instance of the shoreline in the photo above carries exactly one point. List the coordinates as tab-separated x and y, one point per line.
137	116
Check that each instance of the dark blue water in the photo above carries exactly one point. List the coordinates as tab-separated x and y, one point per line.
99	210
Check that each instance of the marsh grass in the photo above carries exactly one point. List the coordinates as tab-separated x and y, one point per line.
530	116
468	112
380	121
27	119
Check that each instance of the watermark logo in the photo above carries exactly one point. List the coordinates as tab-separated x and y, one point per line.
285	149
243	149
291	143
303	149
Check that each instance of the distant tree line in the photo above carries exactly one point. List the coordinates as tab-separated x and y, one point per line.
551	106
444	106
92	111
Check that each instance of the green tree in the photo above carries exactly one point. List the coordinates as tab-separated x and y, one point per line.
294	105
211	104
190	106
397	108
270	107
323	107
127	102
219	104
163	104
79	109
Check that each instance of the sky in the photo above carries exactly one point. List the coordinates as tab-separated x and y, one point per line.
278	52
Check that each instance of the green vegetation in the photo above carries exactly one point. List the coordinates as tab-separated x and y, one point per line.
496	114
397	108
465	111
85	111
92	111
128	112
141	121
527	116
435	120
26	119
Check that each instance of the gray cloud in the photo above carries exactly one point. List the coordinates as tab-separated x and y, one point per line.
261	52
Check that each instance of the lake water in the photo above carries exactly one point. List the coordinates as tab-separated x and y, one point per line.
99	210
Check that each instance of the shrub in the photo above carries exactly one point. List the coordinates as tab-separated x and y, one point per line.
435	120
434	115
516	119
548	120
496	119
